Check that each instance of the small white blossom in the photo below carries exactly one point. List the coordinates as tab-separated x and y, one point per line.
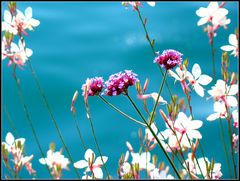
233	45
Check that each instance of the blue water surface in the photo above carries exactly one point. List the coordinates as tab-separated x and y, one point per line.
79	40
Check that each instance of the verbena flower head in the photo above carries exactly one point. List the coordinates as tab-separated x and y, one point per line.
168	59
119	82
93	86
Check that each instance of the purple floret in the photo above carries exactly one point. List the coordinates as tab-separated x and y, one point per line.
119	82
95	87
168	59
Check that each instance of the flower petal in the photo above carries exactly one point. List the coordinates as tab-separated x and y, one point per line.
151	3
233	89
98	172
194	134
202	12
99	160
227	48
202	21
232	101
7	16
88	154
196	71
80	164
204	79
213	116
10	138
199	89
233	40
195	124
28	13
34	22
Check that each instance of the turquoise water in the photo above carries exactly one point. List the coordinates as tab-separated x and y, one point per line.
79	40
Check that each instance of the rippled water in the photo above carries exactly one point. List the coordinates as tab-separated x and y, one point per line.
77	40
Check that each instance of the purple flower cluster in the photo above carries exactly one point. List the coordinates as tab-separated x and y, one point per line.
119	82
95	86
168	59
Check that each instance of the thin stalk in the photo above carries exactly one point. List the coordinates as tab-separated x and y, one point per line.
119	111
232	152
225	147
10	121
153	50
28	115
79	133
213	59
155	136
95	139
51	114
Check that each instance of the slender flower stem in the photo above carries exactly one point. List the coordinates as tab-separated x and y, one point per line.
224	146
95	139
28	115
153	50
119	111
10	121
149	127
213	59
51	114
79	133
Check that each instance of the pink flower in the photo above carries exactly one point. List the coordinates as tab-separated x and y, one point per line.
168	59
93	86
234	141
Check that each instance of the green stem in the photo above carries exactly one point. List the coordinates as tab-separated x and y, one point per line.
51	114
28	115
95	139
79	133
213	59
10	121
153	50
119	111
149	127
224	146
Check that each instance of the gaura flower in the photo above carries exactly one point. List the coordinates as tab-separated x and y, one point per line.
212	12
56	161
153	96
94	86
142	159
119	82
11	143
9	24
219	111
168	59
221	91
185	128
15	53
198	79
91	164
233	41
215	173
234	142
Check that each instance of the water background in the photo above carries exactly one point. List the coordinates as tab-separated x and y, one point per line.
77	40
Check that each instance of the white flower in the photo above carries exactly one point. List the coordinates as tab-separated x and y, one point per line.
9	24
198	79
160	174
226	93
216	172
143	160
55	159
212	12
154	95
27	21
185	128
219	111
232	39
220	21
11	143
93	166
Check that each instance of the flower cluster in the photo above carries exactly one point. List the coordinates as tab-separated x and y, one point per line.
168	59
93	86
215	15
196	78
15	147
92	165
56	162
119	82
16	23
